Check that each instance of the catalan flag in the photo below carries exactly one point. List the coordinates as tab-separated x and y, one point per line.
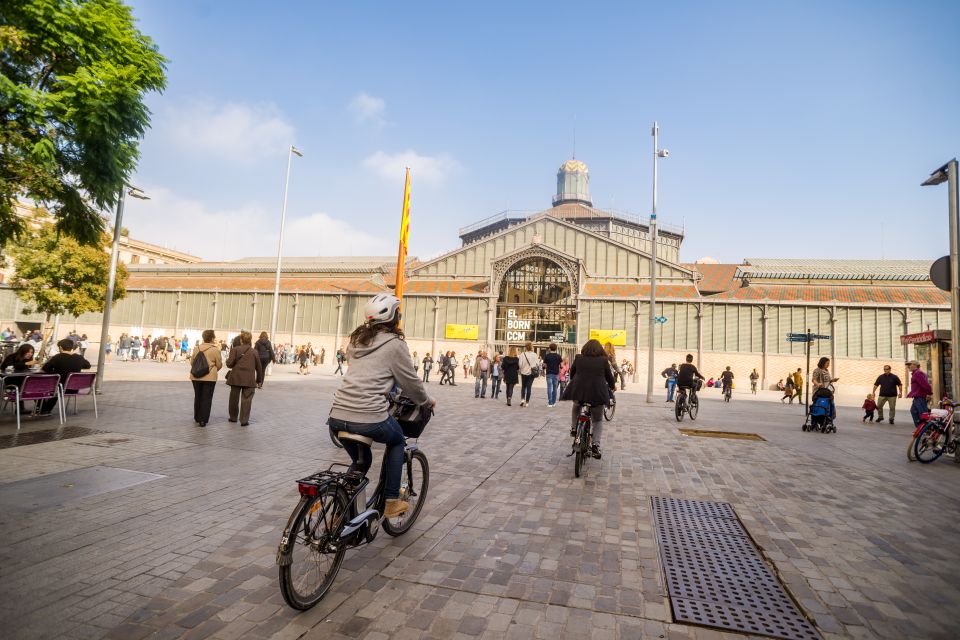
404	237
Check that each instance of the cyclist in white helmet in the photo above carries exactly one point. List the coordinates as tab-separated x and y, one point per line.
379	360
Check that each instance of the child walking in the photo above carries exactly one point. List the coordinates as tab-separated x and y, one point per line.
869	407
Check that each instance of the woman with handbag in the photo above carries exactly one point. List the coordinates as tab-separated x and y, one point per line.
244	377
529	369
204	385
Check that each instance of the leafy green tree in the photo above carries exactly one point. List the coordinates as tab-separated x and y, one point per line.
73	76
55	274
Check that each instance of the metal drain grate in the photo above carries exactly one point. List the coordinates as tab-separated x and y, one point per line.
23	438
729	435
715	575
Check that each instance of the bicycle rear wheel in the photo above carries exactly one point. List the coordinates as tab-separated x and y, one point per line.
316	552
930	444
679	406
413	489
580	447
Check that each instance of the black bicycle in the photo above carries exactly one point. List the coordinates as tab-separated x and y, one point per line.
683	404
727	394
334	515
582	440
611	408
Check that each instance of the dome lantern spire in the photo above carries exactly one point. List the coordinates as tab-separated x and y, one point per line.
573	184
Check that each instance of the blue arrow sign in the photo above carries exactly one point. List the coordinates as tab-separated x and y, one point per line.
660	319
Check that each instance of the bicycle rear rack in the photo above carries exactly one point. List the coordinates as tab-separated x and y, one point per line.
312	484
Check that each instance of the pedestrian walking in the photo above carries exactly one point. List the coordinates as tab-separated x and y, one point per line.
467	365
563	377
798	384
304	357
135	345
427	367
109	348
452	369
920	391
323	354
244	377
511	372
754	376
788	389
529	369
496	370
481	372
205	384
265	350
340	358
890	388
670	380
551	365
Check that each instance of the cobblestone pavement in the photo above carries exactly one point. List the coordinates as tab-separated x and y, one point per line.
509	543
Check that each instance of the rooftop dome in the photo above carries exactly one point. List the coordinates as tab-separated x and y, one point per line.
573	184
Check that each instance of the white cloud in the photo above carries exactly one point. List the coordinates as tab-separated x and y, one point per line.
430	169
368	109
220	234
233	131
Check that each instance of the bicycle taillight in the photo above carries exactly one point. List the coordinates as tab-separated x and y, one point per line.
306	489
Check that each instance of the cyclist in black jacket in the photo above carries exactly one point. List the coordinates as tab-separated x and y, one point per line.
687	376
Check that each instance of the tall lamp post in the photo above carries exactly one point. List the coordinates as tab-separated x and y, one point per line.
657	154
112	280
948	173
283	218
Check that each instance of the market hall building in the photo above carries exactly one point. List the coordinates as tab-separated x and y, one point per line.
560	275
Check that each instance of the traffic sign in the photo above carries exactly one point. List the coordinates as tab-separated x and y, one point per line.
660	319
940	273
817	336
802	339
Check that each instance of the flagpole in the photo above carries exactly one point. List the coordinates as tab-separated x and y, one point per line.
404	238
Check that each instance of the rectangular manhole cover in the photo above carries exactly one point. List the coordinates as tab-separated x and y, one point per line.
729	435
36	494
716	576
22	438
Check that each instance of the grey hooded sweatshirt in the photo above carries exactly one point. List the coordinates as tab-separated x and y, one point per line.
374	369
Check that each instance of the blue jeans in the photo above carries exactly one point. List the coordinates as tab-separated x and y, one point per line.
389	433
553	383
671	387
480	386
919	406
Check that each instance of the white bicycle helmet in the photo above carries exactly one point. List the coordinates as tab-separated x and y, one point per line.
381	308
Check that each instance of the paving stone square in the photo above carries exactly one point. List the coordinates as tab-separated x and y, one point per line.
509	544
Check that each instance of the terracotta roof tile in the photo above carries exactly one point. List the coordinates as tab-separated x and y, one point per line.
716	277
602	290
446	286
868	295
332	285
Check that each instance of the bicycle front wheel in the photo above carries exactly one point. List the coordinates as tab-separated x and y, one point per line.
694	409
930	444
316	552
609	411
413	490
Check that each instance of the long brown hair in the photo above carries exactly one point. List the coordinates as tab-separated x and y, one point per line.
363	334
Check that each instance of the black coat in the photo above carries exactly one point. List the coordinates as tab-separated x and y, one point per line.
511	369
265	351
590	380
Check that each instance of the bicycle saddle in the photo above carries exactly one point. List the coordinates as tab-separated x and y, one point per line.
346	435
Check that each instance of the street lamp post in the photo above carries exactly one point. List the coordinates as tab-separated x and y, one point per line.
112	279
283	218
948	173
657	154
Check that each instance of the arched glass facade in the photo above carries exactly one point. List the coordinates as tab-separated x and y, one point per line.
536	303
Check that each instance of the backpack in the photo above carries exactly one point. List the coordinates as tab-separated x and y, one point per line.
200	366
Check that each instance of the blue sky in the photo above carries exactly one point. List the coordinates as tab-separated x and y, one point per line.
796	129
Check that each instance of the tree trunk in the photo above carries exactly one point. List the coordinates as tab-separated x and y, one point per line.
46	334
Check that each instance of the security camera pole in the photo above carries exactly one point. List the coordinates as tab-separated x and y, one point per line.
657	153
112	280
948	173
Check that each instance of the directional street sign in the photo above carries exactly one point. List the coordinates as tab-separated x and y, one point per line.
817	336
660	319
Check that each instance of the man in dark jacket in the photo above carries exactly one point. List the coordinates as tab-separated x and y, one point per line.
591	382
245	376
670	374
63	364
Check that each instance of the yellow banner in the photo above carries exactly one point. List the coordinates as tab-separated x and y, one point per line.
463	331
616	337
404	237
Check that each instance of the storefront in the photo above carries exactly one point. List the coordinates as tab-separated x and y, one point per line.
933	351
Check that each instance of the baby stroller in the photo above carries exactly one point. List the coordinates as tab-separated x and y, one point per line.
822	412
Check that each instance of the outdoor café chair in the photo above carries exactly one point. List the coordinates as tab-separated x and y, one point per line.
35	387
79	384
